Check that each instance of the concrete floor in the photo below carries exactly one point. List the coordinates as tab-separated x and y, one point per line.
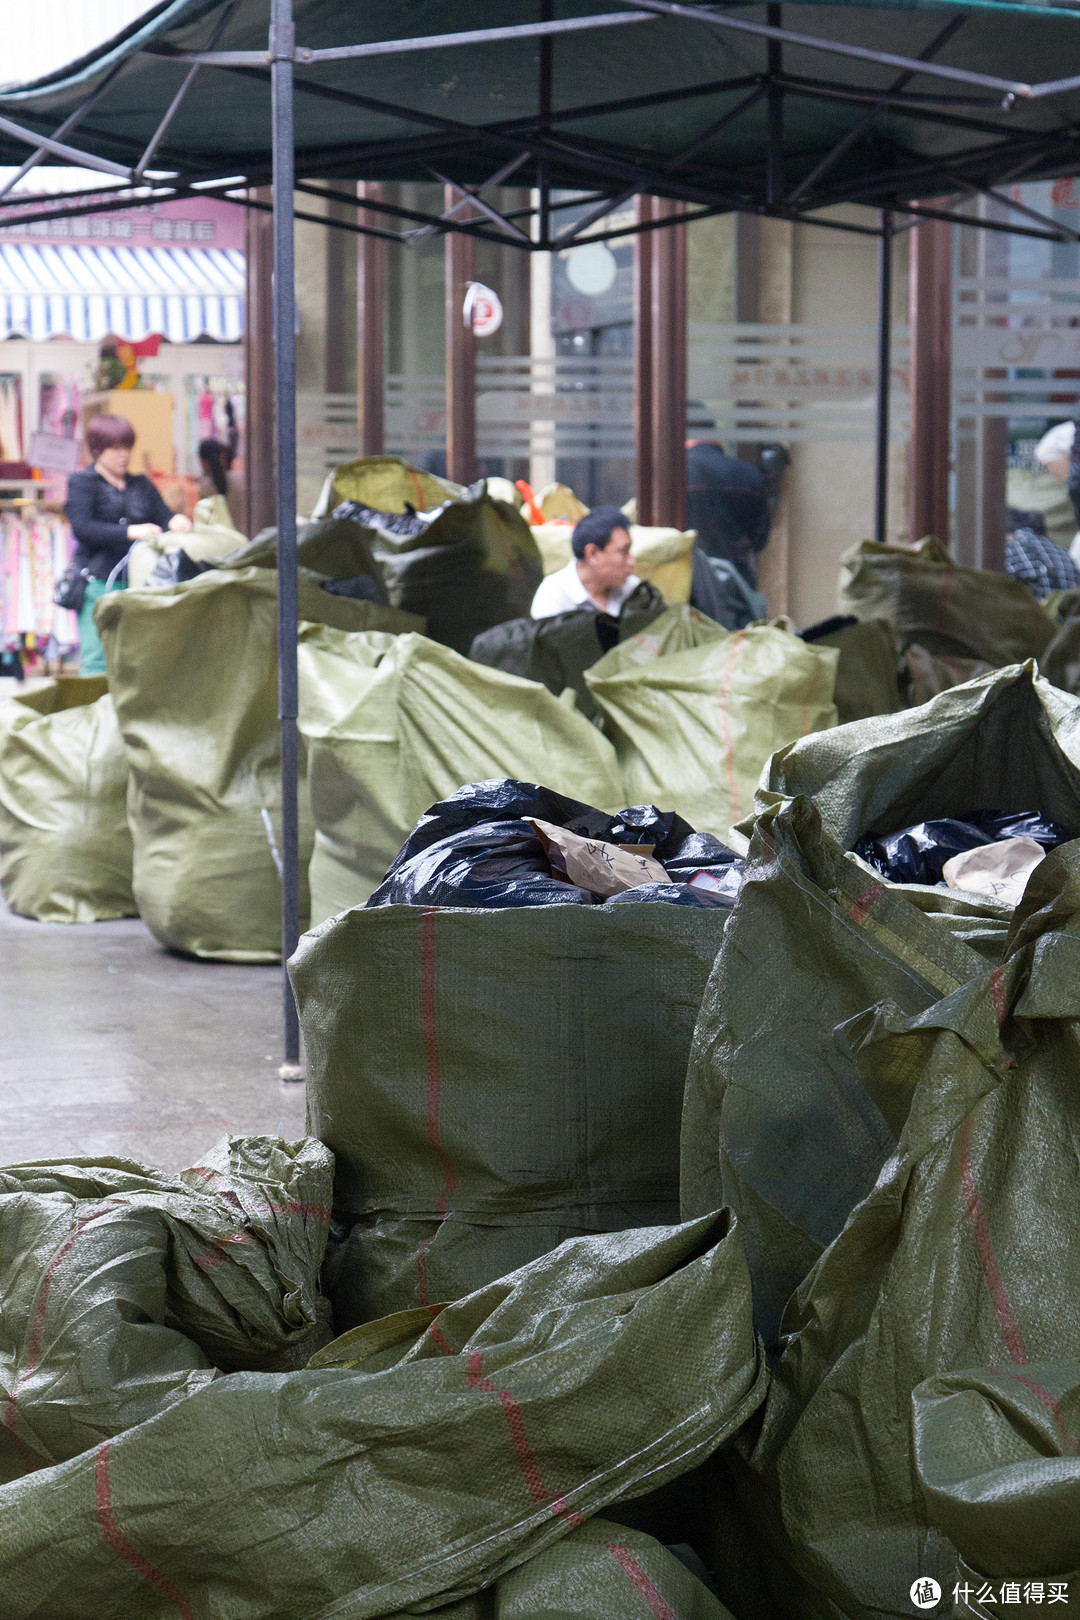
110	1045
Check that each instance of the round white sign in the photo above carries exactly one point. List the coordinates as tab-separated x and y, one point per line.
590	268
483	309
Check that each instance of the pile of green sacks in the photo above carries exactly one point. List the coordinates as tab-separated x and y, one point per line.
883	1087
455	1455
691	713
856	1350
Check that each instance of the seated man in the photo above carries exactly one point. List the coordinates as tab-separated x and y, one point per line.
600	575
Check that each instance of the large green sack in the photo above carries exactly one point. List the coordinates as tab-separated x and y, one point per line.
559	649
867	673
693	729
393	727
777	1122
593	1375
389	484
600	1572
474	565
928	598
996	1454
1060	661
65	847
193	673
953	1283
924	675
124	1289
334	547
492	1082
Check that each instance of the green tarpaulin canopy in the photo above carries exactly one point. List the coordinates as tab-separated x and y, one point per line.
721	106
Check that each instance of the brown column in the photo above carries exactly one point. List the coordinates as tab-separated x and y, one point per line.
370	306
669	366
643	361
460	358
261	493
930	269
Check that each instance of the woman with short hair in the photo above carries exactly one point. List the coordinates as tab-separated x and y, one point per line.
109	509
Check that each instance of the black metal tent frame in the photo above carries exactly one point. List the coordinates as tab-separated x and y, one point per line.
557	160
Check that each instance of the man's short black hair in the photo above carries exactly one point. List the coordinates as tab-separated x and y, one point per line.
597	527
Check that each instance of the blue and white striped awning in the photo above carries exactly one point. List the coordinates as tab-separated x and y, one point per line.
88	293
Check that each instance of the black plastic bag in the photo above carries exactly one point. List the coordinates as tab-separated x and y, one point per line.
917	854
477	849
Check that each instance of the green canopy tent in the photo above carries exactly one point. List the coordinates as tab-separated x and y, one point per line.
766	109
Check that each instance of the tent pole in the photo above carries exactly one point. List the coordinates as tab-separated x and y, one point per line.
884	380
282	44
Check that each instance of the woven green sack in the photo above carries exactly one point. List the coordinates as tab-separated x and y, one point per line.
928	598
693	728
867	670
600	1572
126	1289
557	650
65	847
777	1123
475	565
391	485
492	1082
193	673
416	1461
921	1419
334	547
392	727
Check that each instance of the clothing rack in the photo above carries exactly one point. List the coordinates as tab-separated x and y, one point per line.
36	545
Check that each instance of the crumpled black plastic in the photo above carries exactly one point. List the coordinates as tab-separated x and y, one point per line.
475	849
917	854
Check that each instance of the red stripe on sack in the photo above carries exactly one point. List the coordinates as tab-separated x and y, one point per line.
630	1566
725	722
997	995
1049	1400
119	1543
420	505
862	905
429	1027
29	1461
1014	1339
518	1438
440	1341
1001	1005
320	1212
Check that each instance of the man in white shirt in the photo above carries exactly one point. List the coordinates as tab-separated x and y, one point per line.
600	575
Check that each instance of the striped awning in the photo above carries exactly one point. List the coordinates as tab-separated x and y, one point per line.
88	293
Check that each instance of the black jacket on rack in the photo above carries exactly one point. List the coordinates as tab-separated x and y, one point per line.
99	515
